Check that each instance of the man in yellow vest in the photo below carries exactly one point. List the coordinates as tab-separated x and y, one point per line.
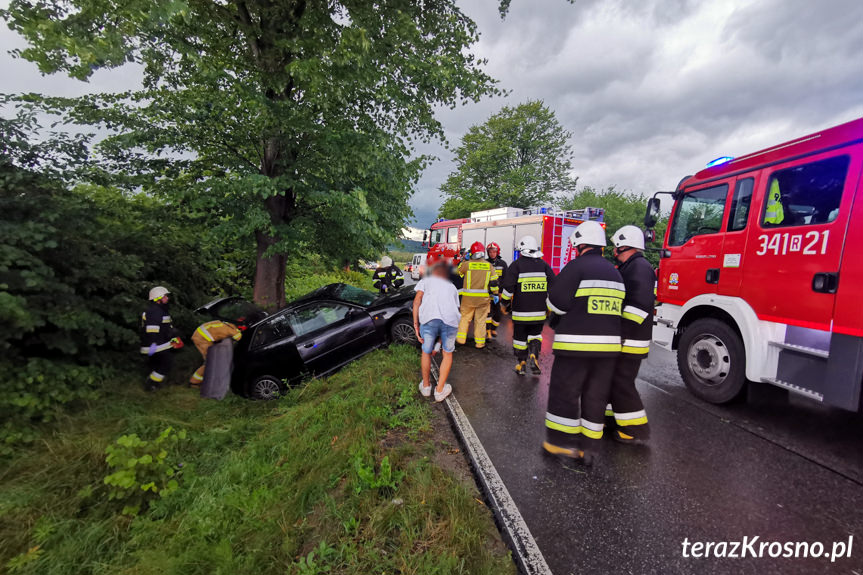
205	337
480	284
775	213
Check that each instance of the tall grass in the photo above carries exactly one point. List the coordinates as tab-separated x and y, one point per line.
269	487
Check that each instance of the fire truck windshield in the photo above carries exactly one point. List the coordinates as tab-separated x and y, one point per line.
436	237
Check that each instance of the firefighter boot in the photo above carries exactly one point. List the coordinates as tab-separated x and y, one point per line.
622	437
520	367
533	347
579	455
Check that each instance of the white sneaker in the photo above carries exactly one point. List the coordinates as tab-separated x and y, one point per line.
426	391
447	389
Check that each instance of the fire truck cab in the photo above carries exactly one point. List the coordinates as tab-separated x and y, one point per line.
761	277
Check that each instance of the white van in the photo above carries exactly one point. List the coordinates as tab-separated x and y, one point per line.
418	264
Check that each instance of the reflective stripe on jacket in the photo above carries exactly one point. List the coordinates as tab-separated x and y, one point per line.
526	283
588	296
637	316
479	278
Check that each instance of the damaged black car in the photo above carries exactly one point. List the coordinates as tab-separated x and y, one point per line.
312	336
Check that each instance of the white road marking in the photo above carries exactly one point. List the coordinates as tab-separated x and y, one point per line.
525	550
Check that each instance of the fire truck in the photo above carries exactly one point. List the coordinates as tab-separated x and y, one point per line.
761	275
505	226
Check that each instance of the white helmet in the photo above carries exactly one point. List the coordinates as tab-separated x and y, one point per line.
588	233
529	247
628	237
386	261
158	292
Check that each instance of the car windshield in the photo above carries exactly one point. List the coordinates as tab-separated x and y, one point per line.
354	295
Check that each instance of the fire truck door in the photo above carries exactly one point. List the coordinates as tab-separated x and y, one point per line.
695	244
734	243
800	214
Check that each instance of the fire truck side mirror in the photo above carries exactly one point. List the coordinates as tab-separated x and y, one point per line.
651	216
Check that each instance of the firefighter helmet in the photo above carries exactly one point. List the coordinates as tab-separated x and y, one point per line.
529	247
477	248
628	237
492	246
386	261
158	293
588	233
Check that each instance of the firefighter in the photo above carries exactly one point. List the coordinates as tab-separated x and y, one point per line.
158	337
774	213
479	287
587	300
207	335
499	265
387	276
524	290
636	332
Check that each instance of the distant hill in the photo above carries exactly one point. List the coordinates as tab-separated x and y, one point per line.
412	246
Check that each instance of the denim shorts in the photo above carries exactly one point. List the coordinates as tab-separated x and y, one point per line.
436	328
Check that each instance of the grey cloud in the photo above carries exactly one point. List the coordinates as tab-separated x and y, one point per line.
652	90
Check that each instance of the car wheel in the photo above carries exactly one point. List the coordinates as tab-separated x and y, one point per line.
712	361
402	331
266	387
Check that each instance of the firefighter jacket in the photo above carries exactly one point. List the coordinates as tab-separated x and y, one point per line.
479	278
526	283
637	317
156	327
388	278
215	331
499	265
587	296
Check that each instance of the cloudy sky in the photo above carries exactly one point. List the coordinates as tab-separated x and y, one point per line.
650	89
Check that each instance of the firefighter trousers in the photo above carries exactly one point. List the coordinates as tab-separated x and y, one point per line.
202	346
476	309
493	320
160	364
577	394
626	405
526	338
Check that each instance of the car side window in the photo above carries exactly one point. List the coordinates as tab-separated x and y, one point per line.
740	204
699	212
274	329
805	195
316	316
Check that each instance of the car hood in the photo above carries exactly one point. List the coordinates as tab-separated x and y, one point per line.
394	297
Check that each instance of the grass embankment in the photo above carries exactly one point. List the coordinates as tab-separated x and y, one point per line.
293	486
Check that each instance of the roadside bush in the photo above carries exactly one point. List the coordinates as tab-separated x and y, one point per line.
75	269
144	470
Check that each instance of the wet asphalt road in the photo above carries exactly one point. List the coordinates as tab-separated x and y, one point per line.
781	468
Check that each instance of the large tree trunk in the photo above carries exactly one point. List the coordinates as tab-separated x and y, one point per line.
270	267
269	275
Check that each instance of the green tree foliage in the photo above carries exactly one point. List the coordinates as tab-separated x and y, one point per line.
75	268
621	209
519	157
293	120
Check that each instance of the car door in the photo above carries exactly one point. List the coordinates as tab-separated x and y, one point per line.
329	334
695	239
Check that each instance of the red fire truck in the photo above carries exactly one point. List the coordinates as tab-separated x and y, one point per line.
506	226
760	277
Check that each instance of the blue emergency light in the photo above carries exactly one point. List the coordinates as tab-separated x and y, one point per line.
719	161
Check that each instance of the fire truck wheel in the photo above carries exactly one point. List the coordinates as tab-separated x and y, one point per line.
712	361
